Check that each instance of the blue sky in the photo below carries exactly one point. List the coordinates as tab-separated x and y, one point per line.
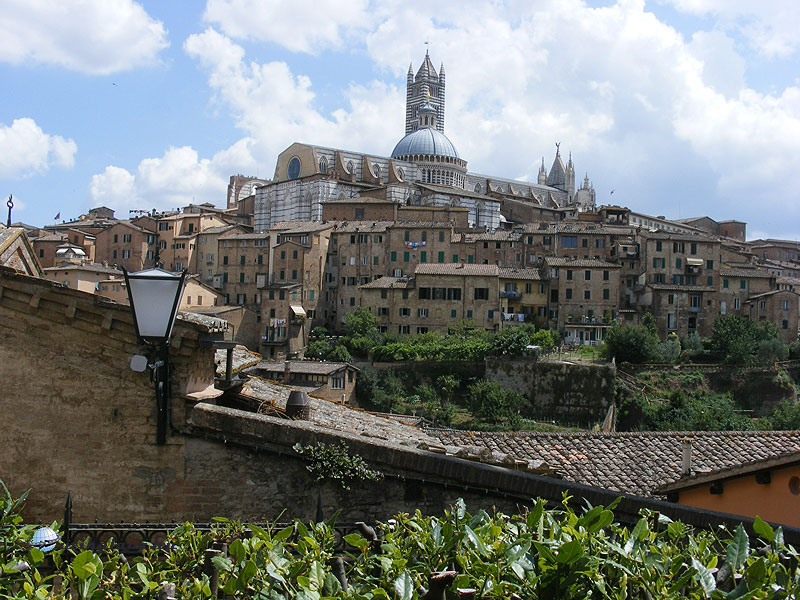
682	107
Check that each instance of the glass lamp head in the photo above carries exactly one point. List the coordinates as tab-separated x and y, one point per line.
154	296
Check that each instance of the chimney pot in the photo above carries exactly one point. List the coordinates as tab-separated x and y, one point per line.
686	456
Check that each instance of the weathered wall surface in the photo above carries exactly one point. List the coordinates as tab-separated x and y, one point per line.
75	417
564	392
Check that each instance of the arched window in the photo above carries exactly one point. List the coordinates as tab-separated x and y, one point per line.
401	174
478	188
350	167
323	165
376	169
294	168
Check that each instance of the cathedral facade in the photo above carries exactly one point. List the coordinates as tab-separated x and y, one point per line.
424	169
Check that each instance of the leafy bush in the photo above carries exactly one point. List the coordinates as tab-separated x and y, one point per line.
544	553
334	462
785	417
692	347
770	351
668	351
694	411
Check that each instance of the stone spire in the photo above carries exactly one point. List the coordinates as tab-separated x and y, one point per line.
557	177
426	86
542	179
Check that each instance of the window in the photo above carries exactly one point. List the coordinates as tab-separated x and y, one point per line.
470	259
736	303
126	237
421	330
116	238
424	236
225	280
440	256
406	256
568	293
453	313
241	277
658	246
743	284
481	293
469	313
725	283
606	294
364	260
569	241
441	236
294	294
569	275
693	248
785	324
528	288
283	254
587	275
404	329
294	253
337	381
375	260
393	256
670	320
694	301
41	253
281	274
490	315
422	313
383	311
785	306
709	264
587	295
114	254
671	299
406	236
294	274
423	256
405	311
455	258
241	260
584	243
677	263
311	294
709	280
352	301
224	260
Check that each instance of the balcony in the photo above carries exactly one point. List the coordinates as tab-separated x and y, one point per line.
510	294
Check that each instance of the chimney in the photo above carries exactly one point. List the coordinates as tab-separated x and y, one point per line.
286	371
686	456
297	406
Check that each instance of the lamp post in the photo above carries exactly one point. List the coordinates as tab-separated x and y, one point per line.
154	296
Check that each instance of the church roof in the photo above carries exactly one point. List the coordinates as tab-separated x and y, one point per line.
558	176
425	141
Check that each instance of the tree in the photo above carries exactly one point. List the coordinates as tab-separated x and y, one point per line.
361	333
631	343
490	401
339	354
736	340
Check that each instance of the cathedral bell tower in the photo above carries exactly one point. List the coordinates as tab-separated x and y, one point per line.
426	87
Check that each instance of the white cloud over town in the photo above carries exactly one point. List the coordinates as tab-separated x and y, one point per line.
26	150
657	115
95	37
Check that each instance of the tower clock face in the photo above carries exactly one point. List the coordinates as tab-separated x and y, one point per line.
294	168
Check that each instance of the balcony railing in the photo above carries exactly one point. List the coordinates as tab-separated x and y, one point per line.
510	294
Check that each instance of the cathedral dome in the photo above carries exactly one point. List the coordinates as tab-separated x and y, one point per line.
425	141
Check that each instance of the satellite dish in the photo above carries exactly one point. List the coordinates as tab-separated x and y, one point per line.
138	363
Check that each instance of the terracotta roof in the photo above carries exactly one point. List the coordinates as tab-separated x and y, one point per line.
361	226
634	463
312	367
493	236
456	269
288	227
558	261
770	293
744	272
451	191
384	283
91	267
681	288
508	273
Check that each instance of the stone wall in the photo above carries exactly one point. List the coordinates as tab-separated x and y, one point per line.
568	393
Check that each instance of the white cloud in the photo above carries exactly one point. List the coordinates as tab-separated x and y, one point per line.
26	150
300	26
94	36
769	26
275	107
177	178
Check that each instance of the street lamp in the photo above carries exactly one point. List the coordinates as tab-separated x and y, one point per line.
154	296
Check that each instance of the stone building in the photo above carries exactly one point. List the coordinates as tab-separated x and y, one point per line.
681	284
778	306
334	381
523	296
127	246
584	298
738	282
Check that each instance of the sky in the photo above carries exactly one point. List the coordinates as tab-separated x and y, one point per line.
681	108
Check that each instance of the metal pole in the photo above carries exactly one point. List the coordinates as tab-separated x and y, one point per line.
162	394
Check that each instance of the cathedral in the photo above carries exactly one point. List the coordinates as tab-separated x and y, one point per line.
423	169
